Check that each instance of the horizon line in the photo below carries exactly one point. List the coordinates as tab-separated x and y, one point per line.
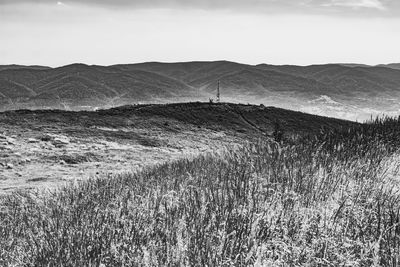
199	61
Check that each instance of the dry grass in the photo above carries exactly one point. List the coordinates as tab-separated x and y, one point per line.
326	200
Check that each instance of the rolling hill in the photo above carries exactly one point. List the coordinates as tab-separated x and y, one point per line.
16	67
41	148
392	65
349	91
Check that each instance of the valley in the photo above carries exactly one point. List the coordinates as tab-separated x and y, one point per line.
355	92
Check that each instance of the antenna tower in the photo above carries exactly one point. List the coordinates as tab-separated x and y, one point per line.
218	93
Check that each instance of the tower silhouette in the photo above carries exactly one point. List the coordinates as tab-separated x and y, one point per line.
218	93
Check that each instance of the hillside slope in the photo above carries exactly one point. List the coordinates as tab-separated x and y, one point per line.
346	91
249	119
330	199
392	65
46	148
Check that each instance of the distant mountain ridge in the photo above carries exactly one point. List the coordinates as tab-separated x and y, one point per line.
14	67
350	91
392	65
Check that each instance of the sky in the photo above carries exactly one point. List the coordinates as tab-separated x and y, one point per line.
106	32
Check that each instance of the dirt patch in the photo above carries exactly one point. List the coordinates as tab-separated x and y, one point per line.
39	179
75	158
44	154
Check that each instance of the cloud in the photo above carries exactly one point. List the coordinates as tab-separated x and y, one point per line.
374	4
334	7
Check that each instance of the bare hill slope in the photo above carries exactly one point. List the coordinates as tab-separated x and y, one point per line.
346	91
46	148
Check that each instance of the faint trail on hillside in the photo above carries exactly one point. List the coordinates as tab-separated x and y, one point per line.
248	122
25	87
3	95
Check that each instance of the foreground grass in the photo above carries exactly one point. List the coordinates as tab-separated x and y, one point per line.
326	200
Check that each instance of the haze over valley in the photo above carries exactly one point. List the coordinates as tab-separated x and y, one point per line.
349	91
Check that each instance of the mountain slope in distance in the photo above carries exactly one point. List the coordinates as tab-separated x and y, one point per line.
357	91
391	65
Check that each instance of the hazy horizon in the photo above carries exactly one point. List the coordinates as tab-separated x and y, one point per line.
101	32
193	61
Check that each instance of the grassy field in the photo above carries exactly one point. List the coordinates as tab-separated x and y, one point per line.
49	148
327	199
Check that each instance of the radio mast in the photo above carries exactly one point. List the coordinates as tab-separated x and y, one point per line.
218	93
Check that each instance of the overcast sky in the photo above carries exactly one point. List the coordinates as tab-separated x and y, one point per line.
105	32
